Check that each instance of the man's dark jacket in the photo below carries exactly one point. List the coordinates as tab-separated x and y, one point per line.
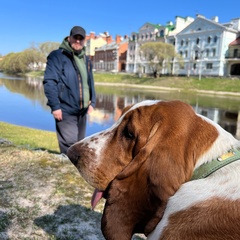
61	82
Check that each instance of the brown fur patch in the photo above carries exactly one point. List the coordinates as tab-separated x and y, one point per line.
213	219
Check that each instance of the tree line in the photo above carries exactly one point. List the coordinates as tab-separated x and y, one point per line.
30	59
157	55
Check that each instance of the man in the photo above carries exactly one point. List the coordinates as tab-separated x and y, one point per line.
69	87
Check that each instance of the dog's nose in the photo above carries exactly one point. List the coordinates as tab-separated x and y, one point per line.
73	156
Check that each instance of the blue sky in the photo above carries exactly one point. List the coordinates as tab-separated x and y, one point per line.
27	22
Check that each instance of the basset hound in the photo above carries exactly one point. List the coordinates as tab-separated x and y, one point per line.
165	171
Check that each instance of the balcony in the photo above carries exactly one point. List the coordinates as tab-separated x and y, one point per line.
234	55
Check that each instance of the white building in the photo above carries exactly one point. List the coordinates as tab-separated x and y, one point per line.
150	33
203	45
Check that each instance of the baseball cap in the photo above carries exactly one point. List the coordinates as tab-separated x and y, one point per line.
78	31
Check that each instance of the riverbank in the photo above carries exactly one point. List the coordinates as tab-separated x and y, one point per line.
209	85
158	88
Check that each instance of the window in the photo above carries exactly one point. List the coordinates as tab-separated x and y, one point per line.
209	65
235	53
215	39
196	55
182	43
186	54
194	66
161	33
214	52
181	53
197	41
209	40
187	42
133	37
207	52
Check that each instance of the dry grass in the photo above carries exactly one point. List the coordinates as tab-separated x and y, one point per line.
44	197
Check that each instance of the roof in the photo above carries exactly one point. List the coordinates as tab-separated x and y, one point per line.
170	27
110	46
235	42
154	25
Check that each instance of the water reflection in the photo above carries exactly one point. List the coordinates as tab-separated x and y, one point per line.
22	102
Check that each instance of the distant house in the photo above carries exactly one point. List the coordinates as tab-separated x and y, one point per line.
94	41
207	47
151	33
111	57
203	46
233	58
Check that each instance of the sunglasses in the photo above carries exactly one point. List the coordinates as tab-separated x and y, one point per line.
78	37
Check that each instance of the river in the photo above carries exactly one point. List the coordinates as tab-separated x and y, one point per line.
22	102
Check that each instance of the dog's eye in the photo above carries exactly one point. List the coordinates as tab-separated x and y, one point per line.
128	133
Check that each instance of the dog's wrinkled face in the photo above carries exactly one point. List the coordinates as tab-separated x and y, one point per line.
100	157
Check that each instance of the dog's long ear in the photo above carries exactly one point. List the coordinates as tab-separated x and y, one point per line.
136	209
130	191
142	155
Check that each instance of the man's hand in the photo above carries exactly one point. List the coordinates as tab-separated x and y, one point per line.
57	114
90	109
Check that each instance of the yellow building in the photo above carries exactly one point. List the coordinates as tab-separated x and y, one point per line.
93	42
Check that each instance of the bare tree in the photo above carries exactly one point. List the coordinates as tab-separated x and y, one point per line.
158	55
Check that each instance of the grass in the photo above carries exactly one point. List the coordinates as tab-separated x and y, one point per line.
192	83
28	137
189	84
43	196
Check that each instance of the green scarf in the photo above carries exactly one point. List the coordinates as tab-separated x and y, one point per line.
80	61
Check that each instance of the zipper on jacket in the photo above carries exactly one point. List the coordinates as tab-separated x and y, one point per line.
80	91
79	83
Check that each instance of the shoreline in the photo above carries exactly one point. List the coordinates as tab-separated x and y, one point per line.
210	92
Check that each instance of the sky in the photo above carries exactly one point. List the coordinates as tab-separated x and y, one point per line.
28	23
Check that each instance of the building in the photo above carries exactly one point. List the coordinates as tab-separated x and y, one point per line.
93	41
206	46
111	57
151	33
203	45
233	58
